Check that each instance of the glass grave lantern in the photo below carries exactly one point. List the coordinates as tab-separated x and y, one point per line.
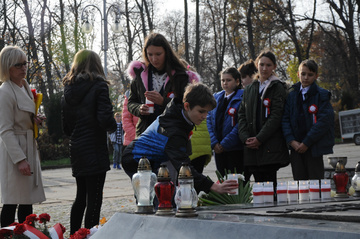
143	184
186	197
355	181
341	179
164	190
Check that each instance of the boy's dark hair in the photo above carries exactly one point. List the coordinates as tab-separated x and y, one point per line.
311	64
248	68
198	94
231	71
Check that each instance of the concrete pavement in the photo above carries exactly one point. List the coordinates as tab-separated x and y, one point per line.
60	186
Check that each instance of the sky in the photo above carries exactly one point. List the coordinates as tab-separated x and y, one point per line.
177	5
301	6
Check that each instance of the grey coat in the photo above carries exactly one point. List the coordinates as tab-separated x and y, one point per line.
17	143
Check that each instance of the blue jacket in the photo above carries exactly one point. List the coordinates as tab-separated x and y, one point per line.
231	140
320	136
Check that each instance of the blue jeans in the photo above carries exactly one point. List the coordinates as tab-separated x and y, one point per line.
117	153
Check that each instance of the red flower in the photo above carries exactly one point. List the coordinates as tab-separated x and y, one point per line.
80	234
31	219
5	233
33	91
19	229
13	224
44	217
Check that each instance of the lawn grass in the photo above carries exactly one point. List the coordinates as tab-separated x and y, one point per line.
58	162
61	162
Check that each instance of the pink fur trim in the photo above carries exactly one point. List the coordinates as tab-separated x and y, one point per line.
193	77
134	64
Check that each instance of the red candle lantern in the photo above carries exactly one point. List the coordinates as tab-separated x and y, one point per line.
164	190
341	179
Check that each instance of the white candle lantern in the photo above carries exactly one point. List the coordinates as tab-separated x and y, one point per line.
292	191
186	197
233	176
281	192
268	192
325	189
303	190
355	181
143	183
314	190
258	190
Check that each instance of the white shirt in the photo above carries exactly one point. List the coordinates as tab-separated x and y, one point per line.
304	91
158	81
262	85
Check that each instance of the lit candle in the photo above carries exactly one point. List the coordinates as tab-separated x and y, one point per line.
314	190
303	190
258	189
325	189
268	192
281	191
293	191
144	189
233	177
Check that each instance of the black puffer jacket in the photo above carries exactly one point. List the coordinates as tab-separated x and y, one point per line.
87	115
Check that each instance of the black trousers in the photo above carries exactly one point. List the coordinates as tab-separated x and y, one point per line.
8	213
305	166
230	160
89	195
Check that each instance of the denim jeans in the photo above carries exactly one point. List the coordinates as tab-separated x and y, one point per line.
117	153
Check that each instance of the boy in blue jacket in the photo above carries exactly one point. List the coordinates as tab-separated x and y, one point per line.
168	138
308	124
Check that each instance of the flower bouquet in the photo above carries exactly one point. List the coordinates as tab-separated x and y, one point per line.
213	198
83	233
37	100
28	230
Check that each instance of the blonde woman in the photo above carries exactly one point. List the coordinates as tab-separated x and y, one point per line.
20	172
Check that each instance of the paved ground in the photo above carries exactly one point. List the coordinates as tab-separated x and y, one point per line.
60	187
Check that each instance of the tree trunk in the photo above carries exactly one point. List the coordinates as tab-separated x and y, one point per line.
130	39
197	40
33	51
5	28
63	37
186	31
148	15
141	9
250	29
47	62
